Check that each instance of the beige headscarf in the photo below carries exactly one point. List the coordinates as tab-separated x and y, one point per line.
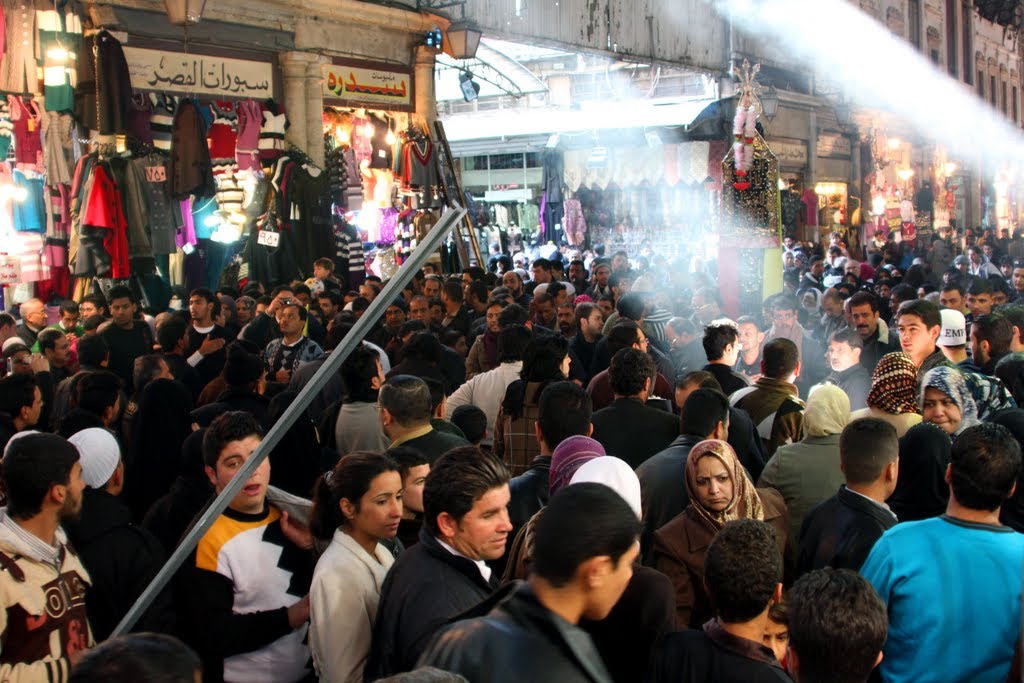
827	411
746	504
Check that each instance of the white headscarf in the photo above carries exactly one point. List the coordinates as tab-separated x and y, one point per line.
616	475
827	411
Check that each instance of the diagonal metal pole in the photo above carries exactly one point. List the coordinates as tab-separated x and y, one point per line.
298	408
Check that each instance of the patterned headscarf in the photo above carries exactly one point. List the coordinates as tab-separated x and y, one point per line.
894	385
745	504
952	383
569	456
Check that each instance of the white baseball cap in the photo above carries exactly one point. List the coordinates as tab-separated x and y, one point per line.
953	331
99	453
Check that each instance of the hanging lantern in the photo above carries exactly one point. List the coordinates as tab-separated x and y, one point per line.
184	12
462	40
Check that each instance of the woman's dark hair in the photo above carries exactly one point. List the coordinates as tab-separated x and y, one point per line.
542	359
350	479
458	479
423	347
151	657
32	465
512	343
582	521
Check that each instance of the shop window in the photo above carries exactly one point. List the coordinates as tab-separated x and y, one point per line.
506	162
477	163
965	31
534	160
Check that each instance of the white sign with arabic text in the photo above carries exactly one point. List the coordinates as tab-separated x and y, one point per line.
199	74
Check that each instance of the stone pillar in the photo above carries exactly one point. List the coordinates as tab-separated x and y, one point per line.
293	66
315	108
423	72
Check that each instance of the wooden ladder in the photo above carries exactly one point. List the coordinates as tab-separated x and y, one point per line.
465	232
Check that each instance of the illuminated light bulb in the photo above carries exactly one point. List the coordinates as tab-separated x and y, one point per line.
905	174
211	221
368	130
878	205
390	139
58	54
894	143
949	167
19	194
782	184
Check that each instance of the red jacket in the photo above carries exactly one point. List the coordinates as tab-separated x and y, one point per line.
103	213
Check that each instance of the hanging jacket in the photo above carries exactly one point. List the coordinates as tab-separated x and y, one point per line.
103	90
189	169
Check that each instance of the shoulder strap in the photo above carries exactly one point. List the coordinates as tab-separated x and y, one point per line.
10	564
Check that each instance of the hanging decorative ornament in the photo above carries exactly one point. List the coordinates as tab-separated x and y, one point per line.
744	124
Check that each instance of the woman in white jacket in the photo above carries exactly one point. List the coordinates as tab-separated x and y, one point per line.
356	505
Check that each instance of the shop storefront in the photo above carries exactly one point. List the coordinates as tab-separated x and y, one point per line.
135	156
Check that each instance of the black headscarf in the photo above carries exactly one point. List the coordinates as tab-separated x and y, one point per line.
154	456
921	490
1012	513
298	460
171	516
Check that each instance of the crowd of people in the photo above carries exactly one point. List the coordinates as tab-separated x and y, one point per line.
568	466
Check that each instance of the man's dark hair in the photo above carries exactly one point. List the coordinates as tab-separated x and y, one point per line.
325	263
784	303
699	379
331	295
837	626
866	447
716	338
979	286
583	311
703	410
170	332
234	425
97	300
780	358
629	370
512	343
423	347
475	272
543	356
66	306
92	350
98	391
848	337
407	398
407	458
623	335
17	391
453	290
459	478
145	369
7	319
631	306
925	310
993	328
563	410
358	372
542	263
742	569
984	465
436	387
581	522
360	304
120	292
32	465
513	314
904	293
48	339
281	288
242	368
204	294
152	657
953	286
300	310
472	421
478	289
862	298
301	288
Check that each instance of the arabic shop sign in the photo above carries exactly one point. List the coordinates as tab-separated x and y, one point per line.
199	74
385	86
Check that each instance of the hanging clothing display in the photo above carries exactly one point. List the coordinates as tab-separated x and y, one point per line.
18	67
271	138
6	129
189	169
104	89
58	147
103	234
28	139
162	119
574	222
60	42
247	141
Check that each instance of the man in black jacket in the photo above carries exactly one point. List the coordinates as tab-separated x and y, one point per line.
465	503
563	411
630	429
841	531
121	558
722	347
743	575
405	413
862	315
662	477
584	548
844	352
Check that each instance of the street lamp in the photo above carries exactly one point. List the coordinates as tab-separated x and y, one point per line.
844	114
770	103
184	12
463	40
